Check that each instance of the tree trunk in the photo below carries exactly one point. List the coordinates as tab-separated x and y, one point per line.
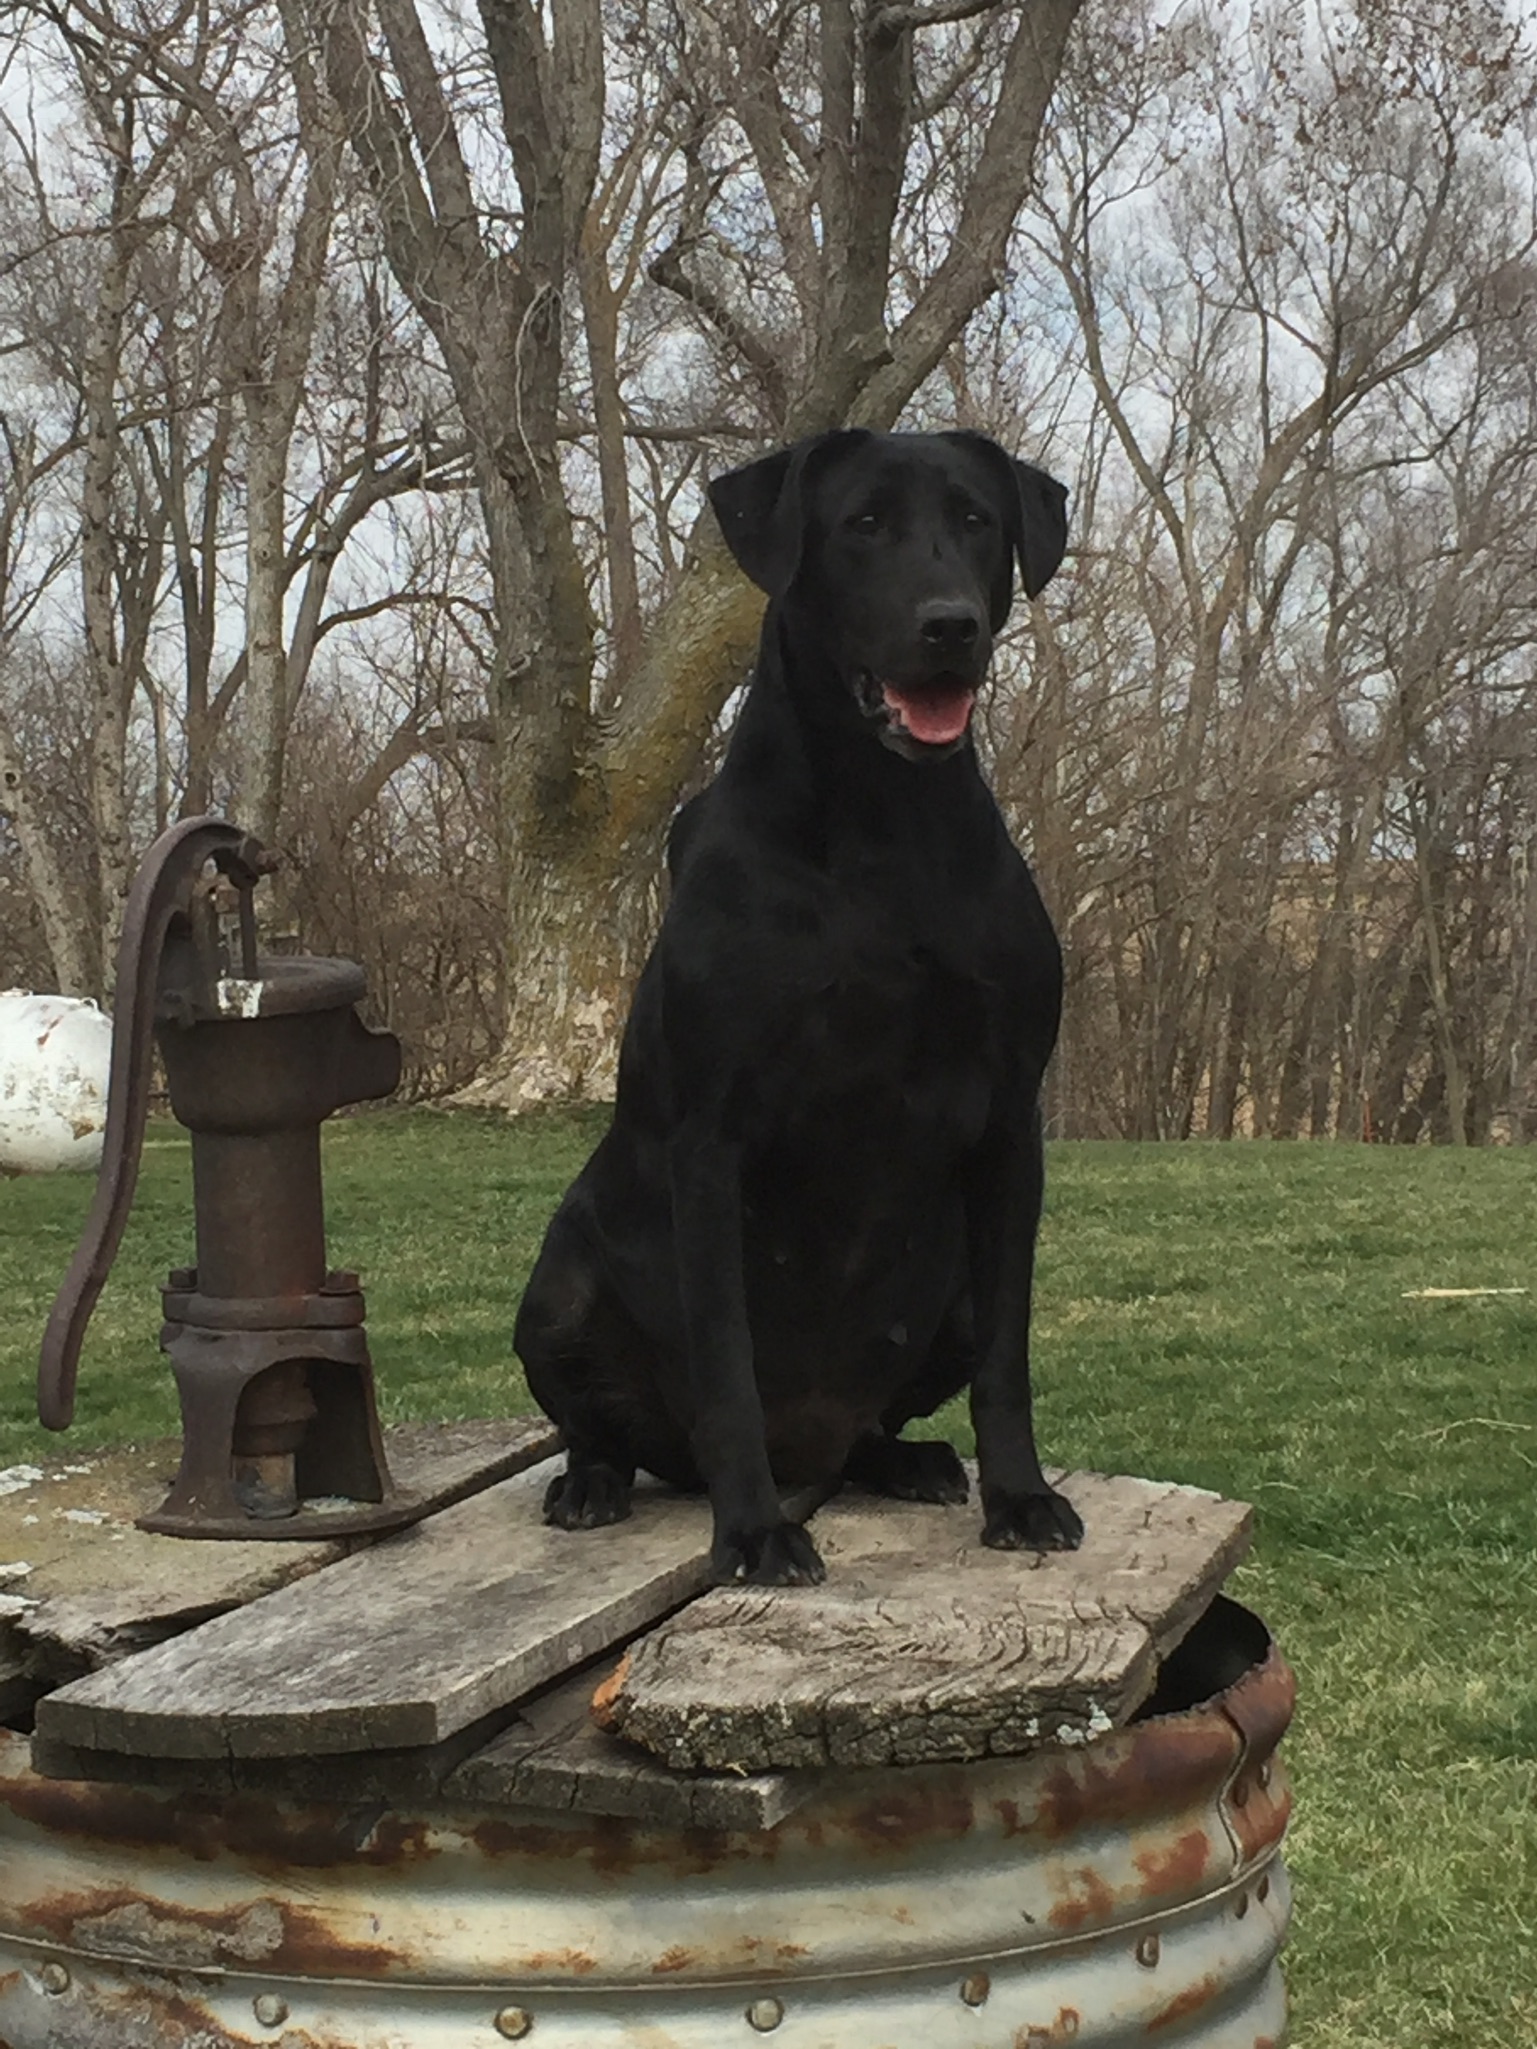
68	928
1431	867
584	868
110	689
585	790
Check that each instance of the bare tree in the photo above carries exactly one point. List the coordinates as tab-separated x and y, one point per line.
1276	252
167	330
355	416
521	263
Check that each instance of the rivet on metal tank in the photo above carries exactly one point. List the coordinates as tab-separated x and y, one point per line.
765	2015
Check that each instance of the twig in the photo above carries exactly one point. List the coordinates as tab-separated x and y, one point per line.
1451	1294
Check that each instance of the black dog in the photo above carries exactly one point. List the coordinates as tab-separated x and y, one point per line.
814	1216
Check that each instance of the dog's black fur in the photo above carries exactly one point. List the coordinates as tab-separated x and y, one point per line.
814	1216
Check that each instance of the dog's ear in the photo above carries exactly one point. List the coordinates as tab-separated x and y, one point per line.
1042	538
1033	507
762	508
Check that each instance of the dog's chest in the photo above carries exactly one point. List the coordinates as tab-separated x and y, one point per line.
898	1026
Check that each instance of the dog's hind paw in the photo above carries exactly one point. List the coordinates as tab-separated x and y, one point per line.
917	1469
586	1496
780	1556
1043	1521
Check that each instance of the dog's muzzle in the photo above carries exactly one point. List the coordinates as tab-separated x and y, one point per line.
918	720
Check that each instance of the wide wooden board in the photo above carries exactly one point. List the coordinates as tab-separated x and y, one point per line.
81	1586
923	1645
405	1643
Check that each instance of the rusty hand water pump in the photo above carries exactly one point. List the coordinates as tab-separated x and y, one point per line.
267	1344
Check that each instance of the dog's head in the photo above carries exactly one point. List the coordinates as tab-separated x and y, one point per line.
897	553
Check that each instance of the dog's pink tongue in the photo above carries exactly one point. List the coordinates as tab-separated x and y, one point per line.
934	716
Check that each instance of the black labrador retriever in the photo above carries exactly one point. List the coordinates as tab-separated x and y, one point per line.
814	1216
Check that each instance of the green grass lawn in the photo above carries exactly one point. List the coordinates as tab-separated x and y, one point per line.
1231	1316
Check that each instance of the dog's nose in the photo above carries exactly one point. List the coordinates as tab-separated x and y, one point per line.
948	629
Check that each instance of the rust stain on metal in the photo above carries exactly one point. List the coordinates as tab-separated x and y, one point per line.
313	1948
275	1934
127	2014
1178	1869
1260	1707
1261	1704
896	1818
1190	2001
1091	1901
746	1952
1155	1767
568	1963
1261	1822
1063	2029
175	2017
611	1847
270	1838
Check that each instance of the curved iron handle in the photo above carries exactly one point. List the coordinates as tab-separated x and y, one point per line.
161	889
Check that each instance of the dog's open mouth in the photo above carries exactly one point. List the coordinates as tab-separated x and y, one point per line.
935	713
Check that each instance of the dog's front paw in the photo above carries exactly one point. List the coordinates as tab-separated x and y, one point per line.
782	1555
586	1496
1039	1521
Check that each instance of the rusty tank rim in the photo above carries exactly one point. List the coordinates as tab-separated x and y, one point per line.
1125	1890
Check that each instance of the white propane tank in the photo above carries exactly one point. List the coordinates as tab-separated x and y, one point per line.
54	1055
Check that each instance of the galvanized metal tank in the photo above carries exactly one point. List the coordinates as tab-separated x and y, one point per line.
1126	1891
54	1052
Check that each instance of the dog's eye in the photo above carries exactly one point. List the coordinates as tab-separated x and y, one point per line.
865	523
973	520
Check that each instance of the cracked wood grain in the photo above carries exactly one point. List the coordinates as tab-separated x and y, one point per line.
924	1646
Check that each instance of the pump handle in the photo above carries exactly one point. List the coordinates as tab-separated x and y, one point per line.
161	895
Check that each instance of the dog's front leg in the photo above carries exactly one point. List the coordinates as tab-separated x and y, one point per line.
1003	1213
752	1539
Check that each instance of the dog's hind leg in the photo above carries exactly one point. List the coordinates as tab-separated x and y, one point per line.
591	1491
920	1469
907	1469
573	1338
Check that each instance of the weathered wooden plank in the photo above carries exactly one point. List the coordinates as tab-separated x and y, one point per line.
443	1463
923	1645
341	1779
402	1644
550	1756
86	1587
553	1755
